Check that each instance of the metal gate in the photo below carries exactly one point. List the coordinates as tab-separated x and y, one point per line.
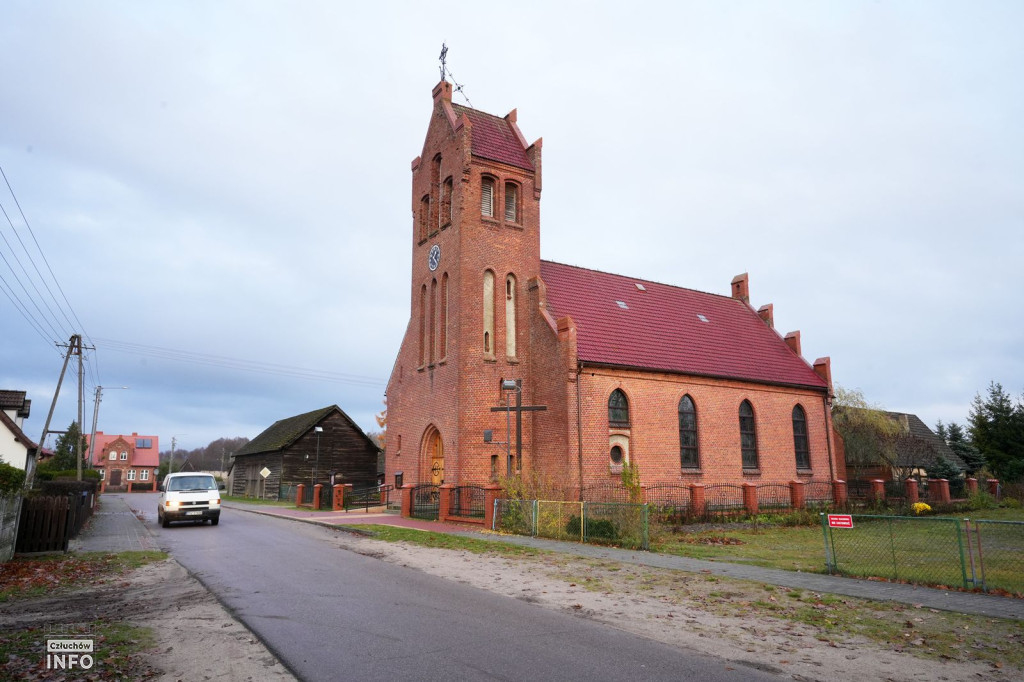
426	501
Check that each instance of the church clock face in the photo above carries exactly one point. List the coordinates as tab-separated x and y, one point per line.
434	257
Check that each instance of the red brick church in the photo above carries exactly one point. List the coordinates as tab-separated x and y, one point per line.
513	363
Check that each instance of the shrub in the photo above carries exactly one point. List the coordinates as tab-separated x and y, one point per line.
11	478
597	529
982	500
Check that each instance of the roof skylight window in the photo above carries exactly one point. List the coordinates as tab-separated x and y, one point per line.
622	304
639	286
702	318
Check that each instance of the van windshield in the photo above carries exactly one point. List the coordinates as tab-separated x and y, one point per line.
192	483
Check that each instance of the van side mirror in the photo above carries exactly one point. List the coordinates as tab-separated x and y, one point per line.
160	487
221	486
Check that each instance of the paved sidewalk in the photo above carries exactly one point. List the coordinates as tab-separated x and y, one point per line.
113	528
925	597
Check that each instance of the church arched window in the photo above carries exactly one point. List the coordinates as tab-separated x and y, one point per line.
800	444
435	188
446	202
488	313
443	327
748	435
424	217
433	320
511	202
487	197
510	316
423	323
618	409
688	458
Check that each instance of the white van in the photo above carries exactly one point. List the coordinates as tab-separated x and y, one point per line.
189	497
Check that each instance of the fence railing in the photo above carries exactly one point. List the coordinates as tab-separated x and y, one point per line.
940	551
467	501
614	523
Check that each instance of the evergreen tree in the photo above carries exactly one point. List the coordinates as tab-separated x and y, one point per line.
997	431
943	468
64	451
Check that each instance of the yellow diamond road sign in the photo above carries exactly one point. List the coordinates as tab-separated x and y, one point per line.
264	472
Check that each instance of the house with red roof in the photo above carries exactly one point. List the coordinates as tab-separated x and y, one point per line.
126	463
514	364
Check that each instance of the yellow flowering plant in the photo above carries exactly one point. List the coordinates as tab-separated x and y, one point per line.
920	508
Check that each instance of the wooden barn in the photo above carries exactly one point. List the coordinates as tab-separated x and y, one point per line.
307	448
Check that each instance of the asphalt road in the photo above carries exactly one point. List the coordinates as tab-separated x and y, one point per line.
329	614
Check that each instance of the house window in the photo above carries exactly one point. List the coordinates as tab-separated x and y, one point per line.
511	203
144	474
131	474
800	444
113	456
618	409
489	313
446	202
748	436
616	454
510	316
124	456
688	434
487	197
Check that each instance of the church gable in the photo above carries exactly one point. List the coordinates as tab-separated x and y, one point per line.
627	322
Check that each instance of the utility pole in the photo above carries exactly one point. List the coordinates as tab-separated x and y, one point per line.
74	347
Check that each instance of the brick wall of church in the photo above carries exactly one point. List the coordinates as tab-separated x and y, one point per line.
654	428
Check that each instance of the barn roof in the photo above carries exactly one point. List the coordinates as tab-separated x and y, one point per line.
284	432
629	322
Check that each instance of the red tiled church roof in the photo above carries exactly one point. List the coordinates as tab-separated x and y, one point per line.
494	138
661	328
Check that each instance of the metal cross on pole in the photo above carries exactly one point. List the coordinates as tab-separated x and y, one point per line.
515	385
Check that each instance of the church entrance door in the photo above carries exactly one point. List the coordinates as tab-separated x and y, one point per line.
115	478
436	459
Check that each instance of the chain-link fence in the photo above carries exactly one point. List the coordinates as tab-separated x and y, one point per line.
625	525
937	551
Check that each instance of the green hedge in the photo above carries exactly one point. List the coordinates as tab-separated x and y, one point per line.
11	478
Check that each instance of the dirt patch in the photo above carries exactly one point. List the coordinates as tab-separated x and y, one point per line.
697	612
194	636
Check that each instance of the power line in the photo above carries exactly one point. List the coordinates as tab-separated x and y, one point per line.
238	364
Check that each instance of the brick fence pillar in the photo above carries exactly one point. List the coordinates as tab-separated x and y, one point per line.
697	499
797	498
492	491
339	496
407	500
750	498
910	491
993	487
299	490
877	490
938	490
972	486
444	506
839	492
317	489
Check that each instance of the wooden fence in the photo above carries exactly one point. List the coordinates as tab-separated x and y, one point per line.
49	522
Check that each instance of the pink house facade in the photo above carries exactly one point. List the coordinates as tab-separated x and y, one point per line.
126	463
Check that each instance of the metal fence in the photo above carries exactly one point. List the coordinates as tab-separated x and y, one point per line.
939	551
608	523
426	502
467	501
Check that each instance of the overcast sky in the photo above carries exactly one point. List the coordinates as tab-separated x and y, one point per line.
231	180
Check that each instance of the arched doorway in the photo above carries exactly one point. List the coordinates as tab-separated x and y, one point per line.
434	455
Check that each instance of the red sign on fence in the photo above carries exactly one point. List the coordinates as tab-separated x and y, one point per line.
840	521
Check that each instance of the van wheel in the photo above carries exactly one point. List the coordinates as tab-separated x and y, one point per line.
214	521
165	522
